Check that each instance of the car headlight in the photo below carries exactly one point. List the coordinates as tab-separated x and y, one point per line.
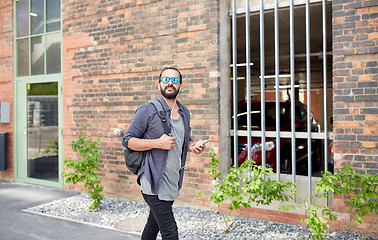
269	146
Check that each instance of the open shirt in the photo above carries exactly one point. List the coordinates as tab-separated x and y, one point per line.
146	124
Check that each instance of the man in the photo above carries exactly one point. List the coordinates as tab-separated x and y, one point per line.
161	174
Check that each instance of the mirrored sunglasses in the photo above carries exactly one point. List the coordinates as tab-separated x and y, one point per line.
174	79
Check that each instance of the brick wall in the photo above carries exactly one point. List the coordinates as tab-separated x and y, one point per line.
6	79
355	88
113	52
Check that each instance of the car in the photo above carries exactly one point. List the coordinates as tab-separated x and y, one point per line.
285	143
330	156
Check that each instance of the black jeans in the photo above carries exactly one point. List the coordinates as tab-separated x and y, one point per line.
160	219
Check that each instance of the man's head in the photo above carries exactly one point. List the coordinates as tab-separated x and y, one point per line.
170	82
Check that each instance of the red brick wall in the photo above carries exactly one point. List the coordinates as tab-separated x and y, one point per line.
6	79
113	52
355	89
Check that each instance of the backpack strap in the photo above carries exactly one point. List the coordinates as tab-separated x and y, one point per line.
161	112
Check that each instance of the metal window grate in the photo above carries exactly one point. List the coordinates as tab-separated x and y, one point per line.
270	66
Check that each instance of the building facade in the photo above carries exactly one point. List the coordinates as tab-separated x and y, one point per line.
66	64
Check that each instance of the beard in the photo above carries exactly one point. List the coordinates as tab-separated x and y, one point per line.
171	95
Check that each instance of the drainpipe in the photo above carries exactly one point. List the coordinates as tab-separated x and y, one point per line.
225	86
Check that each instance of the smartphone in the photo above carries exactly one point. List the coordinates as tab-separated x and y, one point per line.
208	140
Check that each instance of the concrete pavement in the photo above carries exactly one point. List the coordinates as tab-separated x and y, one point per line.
18	225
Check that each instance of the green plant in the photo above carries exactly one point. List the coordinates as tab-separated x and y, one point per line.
317	225
257	188
53	146
362	190
86	169
247	184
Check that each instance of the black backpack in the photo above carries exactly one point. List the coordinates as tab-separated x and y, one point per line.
134	159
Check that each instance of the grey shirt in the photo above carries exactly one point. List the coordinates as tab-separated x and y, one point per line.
169	187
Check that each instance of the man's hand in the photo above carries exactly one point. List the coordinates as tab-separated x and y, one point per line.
196	148
166	142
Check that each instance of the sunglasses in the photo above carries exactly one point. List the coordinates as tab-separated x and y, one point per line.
174	80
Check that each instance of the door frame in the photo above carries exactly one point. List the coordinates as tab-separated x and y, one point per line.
19	100
20	136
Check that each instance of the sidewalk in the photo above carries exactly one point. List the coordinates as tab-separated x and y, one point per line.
18	225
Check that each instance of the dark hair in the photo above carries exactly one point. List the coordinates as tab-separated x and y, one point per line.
172	69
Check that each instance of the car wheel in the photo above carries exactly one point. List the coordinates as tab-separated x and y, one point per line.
286	164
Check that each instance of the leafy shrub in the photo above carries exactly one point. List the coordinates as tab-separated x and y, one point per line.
52	147
362	190
248	184
86	169
256	187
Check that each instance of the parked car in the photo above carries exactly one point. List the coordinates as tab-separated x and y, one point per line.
285	143
330	156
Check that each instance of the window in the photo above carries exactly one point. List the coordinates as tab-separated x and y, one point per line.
38	37
282	65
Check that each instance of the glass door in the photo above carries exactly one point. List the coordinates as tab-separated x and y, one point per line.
42	131
38	135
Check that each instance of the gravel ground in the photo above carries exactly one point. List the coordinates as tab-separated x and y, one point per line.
192	223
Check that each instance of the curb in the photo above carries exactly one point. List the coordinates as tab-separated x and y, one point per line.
76	221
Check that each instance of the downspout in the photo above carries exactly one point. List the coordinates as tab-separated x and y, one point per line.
225	86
